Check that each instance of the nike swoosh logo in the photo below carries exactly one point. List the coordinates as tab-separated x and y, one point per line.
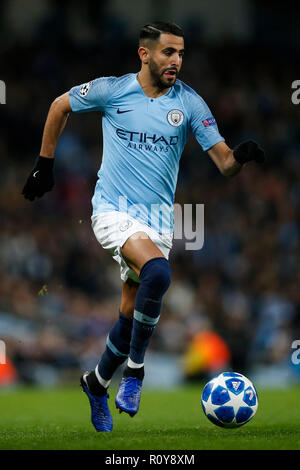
126	111
34	174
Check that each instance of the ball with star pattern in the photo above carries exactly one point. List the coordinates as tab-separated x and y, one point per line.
229	400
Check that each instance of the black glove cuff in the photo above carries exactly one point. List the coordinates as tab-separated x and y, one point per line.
44	163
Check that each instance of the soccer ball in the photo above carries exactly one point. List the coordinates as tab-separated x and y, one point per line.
229	400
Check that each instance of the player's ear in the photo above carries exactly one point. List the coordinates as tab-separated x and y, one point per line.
144	54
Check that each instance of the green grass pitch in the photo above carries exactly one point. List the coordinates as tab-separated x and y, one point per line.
168	420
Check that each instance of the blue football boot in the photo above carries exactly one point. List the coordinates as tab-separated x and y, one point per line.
129	395
100	414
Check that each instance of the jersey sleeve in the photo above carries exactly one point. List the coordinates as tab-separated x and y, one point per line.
203	124
92	96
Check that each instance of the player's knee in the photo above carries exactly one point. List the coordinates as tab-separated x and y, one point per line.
156	273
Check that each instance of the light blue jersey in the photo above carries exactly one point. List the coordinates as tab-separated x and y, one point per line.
143	139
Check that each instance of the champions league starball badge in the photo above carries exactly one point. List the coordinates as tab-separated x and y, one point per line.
175	117
85	89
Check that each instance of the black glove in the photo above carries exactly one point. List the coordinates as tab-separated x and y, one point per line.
40	179
248	151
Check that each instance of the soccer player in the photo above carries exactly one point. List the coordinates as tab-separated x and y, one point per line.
147	118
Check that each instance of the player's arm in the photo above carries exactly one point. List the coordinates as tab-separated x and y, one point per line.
223	157
205	129
40	179
231	161
55	124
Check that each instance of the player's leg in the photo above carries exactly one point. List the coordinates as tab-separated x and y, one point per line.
118	340
129	290
95	383
154	272
147	260
139	249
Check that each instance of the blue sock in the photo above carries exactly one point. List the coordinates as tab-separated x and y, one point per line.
155	277
117	347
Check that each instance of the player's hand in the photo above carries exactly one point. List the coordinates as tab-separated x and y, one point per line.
40	179
248	151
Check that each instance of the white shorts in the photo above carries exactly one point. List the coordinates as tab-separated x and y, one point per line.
113	228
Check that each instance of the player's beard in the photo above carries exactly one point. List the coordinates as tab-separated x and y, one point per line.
158	76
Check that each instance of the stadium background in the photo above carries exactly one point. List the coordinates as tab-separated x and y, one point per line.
234	303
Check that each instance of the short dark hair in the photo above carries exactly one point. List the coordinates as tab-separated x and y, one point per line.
153	30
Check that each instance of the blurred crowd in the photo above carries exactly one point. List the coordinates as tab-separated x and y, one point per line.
60	291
